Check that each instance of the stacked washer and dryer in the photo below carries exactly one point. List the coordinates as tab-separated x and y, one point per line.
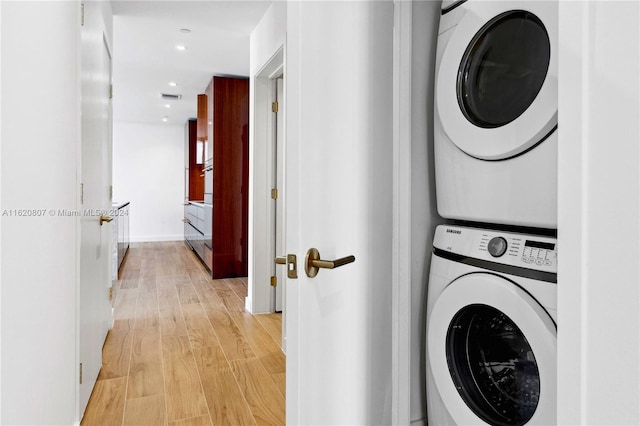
491	308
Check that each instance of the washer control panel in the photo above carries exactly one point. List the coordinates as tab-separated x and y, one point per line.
509	248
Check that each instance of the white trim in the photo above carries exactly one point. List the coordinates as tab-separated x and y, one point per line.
78	196
401	240
598	211
0	204
261	208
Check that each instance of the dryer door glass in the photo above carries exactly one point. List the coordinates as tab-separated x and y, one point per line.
493	366
503	69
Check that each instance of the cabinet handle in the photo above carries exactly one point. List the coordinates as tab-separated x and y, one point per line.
185	220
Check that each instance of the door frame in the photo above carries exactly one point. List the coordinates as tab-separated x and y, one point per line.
277	177
402	209
261	172
94	36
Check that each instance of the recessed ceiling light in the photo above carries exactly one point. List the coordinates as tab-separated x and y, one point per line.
185	30
181	47
167	105
173	84
165	119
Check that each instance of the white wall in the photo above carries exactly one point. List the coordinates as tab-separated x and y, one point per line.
598	213
266	40
268	36
40	141
148	171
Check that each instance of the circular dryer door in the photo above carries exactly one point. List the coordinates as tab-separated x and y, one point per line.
496	88
492	353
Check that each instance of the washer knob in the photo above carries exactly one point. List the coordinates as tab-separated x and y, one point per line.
497	246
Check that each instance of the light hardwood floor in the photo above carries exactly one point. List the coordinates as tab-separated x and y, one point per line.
183	351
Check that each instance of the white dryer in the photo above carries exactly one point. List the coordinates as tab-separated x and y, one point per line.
496	107
491	328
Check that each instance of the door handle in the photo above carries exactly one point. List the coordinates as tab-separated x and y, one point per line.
313	263
104	219
291	262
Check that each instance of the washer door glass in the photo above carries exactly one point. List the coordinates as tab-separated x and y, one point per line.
492	365
503	69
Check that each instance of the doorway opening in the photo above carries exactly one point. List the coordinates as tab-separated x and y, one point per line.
266	280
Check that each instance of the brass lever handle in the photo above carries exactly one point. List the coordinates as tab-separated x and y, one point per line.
291	261
104	219
313	263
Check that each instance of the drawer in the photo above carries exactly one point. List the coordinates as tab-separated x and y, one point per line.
195	210
188	234
193	219
200	213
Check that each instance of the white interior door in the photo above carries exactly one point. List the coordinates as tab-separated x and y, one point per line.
279	184
338	199
95	248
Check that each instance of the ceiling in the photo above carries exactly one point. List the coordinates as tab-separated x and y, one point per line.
145	57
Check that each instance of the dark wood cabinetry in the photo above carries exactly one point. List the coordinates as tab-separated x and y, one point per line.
202	118
228	105
195	176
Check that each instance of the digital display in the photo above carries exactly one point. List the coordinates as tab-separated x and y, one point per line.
538	244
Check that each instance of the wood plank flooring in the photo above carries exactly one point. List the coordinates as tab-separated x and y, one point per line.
183	351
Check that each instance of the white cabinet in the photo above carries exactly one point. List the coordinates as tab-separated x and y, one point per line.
195	228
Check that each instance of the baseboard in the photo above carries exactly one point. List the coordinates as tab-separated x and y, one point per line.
155	238
247	304
419	422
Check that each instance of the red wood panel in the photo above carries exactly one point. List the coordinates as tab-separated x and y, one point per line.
230	176
196	181
202	117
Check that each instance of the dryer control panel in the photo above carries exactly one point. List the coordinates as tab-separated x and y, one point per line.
508	248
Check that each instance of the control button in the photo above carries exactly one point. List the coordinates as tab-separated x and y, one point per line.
497	246
539	262
547	262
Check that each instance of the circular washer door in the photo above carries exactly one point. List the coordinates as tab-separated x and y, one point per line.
492	353
496	87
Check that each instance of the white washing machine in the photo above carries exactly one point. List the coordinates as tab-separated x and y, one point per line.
496	112
491	328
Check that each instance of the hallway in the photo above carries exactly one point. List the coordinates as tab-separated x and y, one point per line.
183	351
